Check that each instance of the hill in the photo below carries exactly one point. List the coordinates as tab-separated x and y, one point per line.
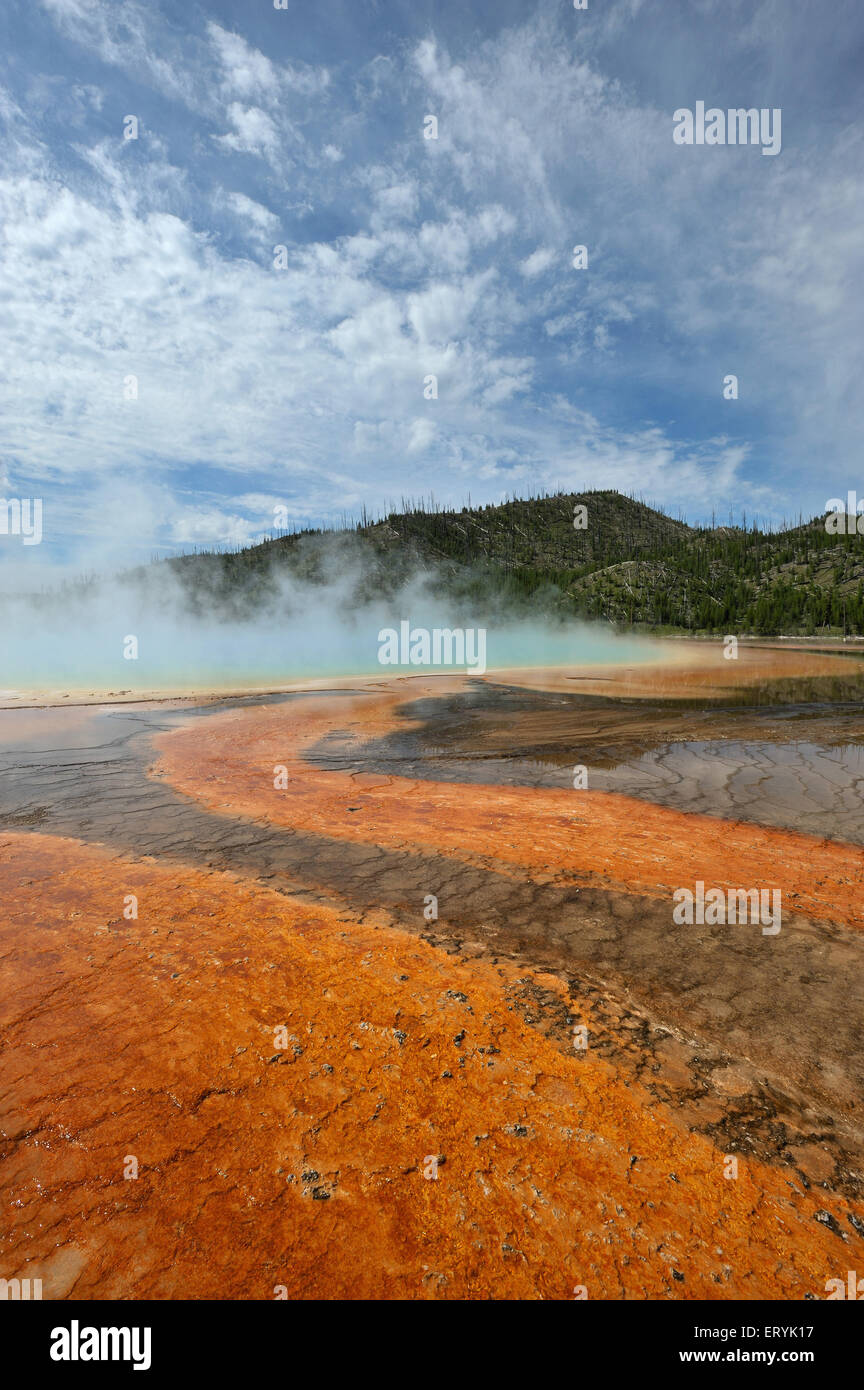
631	565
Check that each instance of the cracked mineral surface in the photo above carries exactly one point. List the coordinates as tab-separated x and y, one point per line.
242	1055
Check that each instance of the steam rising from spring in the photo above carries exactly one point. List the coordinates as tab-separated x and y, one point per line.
309	607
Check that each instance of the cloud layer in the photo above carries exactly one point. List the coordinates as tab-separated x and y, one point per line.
244	306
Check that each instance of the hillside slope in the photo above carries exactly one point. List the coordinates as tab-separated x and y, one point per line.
631	565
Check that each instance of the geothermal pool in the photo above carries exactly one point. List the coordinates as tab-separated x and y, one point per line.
172	657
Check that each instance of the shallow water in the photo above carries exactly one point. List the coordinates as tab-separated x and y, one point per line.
226	657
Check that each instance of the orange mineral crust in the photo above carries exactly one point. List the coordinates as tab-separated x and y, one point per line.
282	1079
251	762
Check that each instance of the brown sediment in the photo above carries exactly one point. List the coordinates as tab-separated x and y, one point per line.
691	670
254	763
303	1165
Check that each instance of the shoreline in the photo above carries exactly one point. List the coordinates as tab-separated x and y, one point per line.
601	672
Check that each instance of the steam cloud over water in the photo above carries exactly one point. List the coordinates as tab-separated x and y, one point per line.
212	622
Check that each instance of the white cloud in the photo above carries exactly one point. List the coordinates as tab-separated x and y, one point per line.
310	379
262	220
212	526
539	261
421	434
248	72
396	203
254	131
124	36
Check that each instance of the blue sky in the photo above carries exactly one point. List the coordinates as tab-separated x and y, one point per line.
304	386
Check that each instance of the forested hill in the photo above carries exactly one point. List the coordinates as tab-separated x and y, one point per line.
633	565
629	564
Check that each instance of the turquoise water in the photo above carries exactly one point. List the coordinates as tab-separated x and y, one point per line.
176	656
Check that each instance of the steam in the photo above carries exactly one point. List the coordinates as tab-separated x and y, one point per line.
289	611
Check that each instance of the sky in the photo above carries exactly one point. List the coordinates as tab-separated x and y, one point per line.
169	378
